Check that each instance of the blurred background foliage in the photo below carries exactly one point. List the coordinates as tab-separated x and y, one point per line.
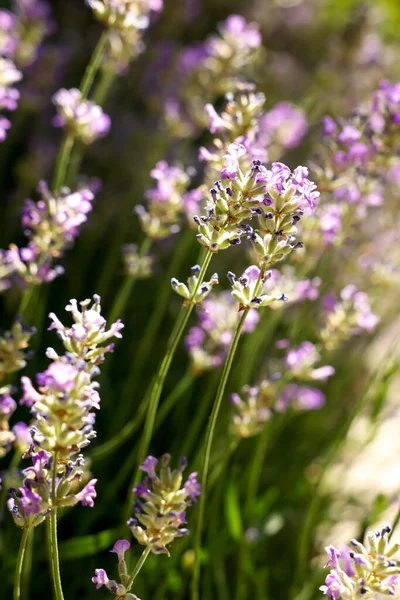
303	497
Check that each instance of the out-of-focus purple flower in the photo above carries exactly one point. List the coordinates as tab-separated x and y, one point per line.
333	586
149	466
231	168
247	34
30	395
5	125
82	118
192	487
7	406
301	396
60	376
285	125
23	438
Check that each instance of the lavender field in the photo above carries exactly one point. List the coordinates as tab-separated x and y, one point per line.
199	294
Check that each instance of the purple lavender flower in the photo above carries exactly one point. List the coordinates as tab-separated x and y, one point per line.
81	117
100	578
119	548
87	495
30	502
300	396
59	376
159	511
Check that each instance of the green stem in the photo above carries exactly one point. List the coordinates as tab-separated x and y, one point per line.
125	291
159	379
207	451
147	342
62	162
20	562
27	569
139	565
52	535
94	64
25	300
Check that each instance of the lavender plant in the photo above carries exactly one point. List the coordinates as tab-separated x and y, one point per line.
189	123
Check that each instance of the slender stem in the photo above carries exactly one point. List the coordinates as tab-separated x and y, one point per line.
20	561
152	327
27	569
207	451
52	533
139	565
158	381
25	300
125	291
93	66
62	162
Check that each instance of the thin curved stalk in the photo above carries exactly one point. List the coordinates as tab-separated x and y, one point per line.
158	381
139	565
62	162
20	561
52	535
93	65
150	333
207	451
125	291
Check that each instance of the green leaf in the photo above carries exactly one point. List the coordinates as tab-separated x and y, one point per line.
88	545
232	512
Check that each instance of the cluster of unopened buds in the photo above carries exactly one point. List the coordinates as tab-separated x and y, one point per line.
208	342
160	507
13	343
51	225
81	118
277	197
248	289
363	571
62	416
195	291
349	316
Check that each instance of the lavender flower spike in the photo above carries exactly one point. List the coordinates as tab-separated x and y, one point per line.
82	118
159	511
371	571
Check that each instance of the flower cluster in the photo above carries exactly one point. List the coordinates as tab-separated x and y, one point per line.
12	346
282	390
159	510
194	292
20	37
82	118
51	224
63	417
209	71
126	20
249	287
136	265
7	409
360	159
346	317
208	342
121	590
257	404
364	571
277	197
165	202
